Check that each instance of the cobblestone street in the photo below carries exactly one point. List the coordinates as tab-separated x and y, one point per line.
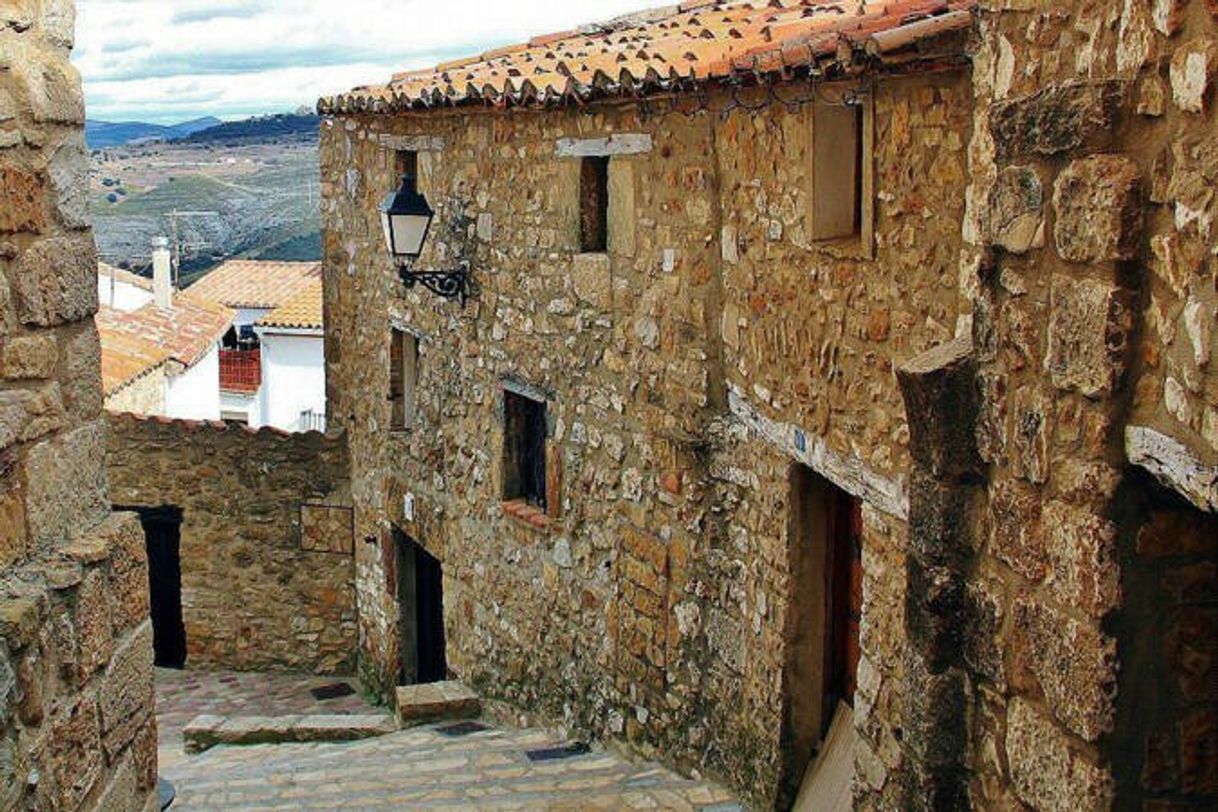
420	768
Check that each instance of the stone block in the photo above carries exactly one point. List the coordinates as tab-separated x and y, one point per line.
69	171
27	414
437	700
125	697
29	357
51	84
1192	71
1059	118
622	216
1046	772
939	382
18	15
94	634
24	208
8	684
1098	204
59	22
14	541
120	792
1167	15
21	617
30	674
128	570
341	727
144	754
56	281
1074	664
1016	534
66	484
327	529
1017	210
592	279
79	372
74	752
1031	422
1089	327
1082	556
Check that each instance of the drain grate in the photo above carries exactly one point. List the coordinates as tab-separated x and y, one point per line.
462	728
555	753
334	690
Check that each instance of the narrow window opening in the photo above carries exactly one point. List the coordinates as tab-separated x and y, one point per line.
407	163
594	205
838	167
524	449
403	378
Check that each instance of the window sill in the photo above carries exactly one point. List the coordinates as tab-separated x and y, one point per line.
529	515
852	247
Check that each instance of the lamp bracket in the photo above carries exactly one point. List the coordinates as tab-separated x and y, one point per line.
452	284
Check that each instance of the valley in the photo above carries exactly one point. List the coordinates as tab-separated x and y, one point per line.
254	196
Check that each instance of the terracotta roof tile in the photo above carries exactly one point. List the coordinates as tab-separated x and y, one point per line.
668	49
302	312
256	284
136	342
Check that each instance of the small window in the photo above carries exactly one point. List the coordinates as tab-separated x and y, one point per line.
594	205
407	163
524	449
837	171
403	378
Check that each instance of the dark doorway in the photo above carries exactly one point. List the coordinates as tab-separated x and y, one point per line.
826	597
163	540
420	594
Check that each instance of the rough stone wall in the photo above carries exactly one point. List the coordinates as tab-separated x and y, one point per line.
76	724
650	605
1090	263
266	543
145	395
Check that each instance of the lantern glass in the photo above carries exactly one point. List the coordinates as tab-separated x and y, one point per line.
405	218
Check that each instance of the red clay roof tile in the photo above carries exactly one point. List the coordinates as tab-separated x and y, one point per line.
666	49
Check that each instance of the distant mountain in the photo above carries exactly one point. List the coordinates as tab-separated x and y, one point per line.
258	129
104	134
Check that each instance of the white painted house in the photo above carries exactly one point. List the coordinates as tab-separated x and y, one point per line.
122	290
163	357
272	363
293	395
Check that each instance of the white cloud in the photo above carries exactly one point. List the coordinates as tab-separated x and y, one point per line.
168	60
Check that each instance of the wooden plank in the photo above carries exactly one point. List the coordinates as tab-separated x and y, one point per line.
826	784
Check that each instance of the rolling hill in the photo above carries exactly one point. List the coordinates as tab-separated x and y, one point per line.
106	134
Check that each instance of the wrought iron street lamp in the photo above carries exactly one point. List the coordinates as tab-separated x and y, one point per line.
406	218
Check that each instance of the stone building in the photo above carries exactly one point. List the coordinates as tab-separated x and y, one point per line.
76	724
825	359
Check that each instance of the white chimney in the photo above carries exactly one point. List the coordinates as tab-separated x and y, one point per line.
162	285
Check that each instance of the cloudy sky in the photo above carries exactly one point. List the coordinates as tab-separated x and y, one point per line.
165	61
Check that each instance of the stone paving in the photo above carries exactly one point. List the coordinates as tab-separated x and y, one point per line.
183	695
418	768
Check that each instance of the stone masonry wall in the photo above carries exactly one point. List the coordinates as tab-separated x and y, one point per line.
145	395
76	702
266	543
1089	258
649	605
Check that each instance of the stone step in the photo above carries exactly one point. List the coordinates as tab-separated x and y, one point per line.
207	731
436	701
